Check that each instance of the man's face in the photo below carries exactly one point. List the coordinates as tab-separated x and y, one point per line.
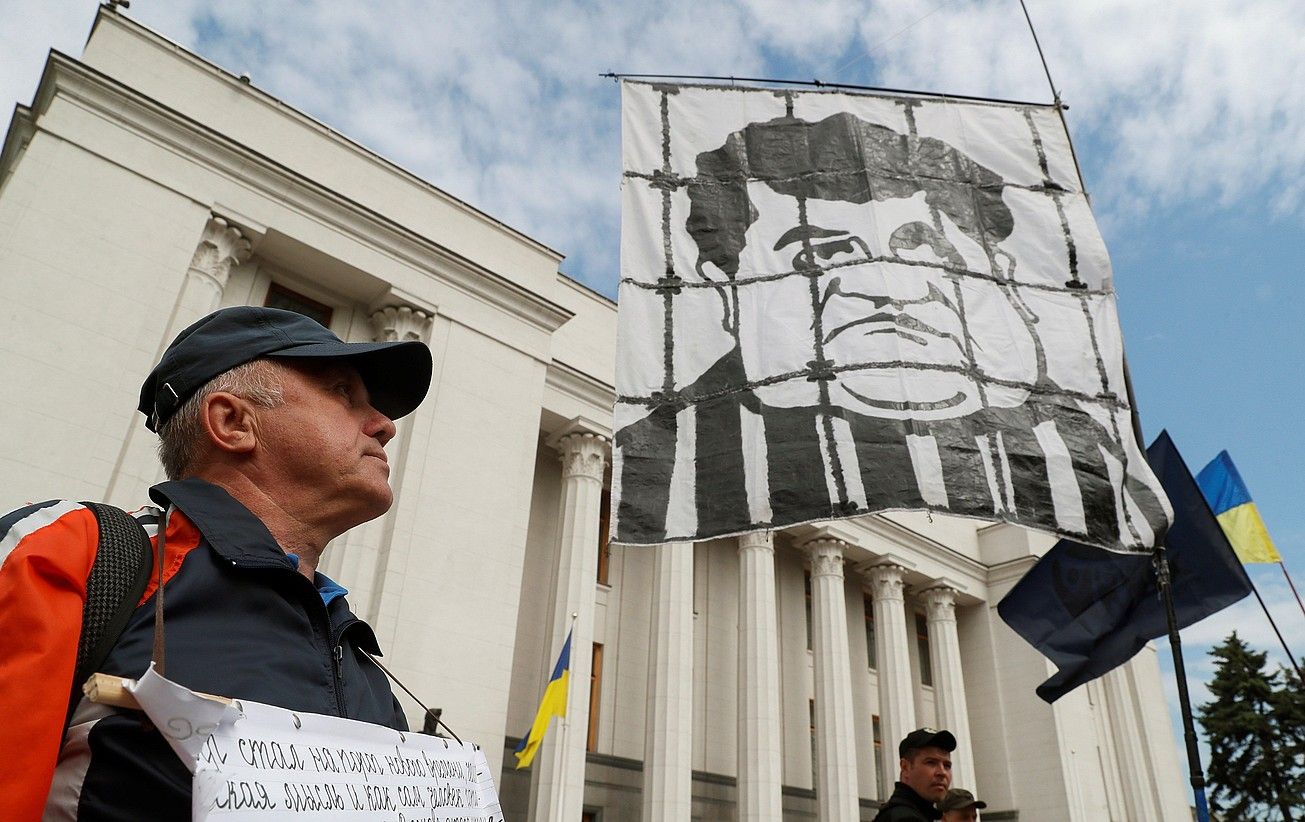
903	317
325	445
928	772
970	814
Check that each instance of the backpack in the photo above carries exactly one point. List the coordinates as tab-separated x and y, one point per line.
113	590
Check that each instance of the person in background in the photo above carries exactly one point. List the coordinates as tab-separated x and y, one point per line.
959	805
926	774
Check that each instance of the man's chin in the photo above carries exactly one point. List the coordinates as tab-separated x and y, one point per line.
378	503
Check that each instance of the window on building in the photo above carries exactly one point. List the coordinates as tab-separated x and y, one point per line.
278	296
604	522
922	646
806	585
878	735
595	696
811	717
870	630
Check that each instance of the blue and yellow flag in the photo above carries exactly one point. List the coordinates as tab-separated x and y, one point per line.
553	704
1231	503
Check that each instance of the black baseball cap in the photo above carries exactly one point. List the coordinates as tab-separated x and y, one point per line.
958	799
926	738
397	374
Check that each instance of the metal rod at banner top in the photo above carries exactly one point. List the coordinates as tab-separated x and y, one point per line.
1180	674
1060	107
616	75
1054	93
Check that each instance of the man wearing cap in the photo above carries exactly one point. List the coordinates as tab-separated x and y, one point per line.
926	763
959	805
272	434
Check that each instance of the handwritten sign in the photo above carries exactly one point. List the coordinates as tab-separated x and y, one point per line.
257	762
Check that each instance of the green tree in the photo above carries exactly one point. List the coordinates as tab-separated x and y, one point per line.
1255	772
1289	722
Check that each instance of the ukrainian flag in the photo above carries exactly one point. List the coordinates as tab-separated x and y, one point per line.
553	704
1231	503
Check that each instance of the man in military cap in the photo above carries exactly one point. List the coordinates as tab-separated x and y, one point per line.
959	805
926	774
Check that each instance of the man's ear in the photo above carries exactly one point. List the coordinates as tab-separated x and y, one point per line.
230	423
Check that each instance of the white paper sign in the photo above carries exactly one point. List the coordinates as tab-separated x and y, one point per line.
257	762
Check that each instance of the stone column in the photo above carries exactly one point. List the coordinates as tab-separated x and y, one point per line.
1121	706
668	729
557	789
760	744
221	246
949	681
892	643
836	790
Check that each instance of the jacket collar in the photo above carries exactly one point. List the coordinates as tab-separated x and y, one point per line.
905	795
228	526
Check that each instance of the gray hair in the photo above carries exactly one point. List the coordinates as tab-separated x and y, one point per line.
258	381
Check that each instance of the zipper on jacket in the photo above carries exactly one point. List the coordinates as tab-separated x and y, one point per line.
320	614
338	656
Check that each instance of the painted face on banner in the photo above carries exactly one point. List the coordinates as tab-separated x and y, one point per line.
885	275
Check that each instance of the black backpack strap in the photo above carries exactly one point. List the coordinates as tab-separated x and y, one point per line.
113	590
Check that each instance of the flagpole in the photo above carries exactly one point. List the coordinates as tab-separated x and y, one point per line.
1163	580
1283	566
1273	624
1180	673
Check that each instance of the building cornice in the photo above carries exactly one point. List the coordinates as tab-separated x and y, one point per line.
1011	570
895	532
160	42
873	540
580	386
150	120
22	125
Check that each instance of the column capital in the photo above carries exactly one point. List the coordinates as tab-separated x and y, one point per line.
940	603
220	247
757	541
584	454
400	322
826	554
887	581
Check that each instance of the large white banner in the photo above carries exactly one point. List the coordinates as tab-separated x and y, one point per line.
255	763
834	304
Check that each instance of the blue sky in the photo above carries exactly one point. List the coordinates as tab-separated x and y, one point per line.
1188	118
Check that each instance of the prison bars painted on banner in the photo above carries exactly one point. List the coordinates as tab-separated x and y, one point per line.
833	304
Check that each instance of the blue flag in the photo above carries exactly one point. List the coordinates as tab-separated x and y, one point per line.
1089	610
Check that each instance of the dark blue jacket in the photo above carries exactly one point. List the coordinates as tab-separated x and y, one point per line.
240	621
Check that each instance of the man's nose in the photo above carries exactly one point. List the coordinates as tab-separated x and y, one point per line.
380	427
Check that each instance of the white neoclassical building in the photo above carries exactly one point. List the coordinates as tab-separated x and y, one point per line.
757	678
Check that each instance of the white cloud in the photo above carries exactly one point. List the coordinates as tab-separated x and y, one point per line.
1189	100
501	104
25	44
